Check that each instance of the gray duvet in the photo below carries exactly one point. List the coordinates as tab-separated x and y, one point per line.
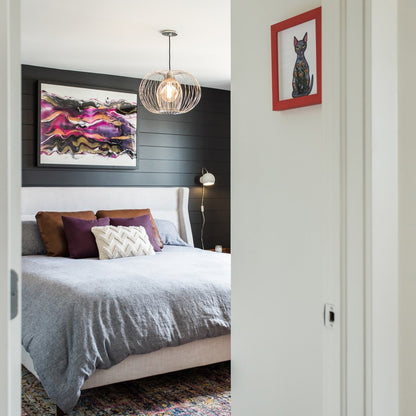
80	315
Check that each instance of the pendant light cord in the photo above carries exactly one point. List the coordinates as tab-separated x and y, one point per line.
169	50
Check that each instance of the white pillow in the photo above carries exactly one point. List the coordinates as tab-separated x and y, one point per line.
115	242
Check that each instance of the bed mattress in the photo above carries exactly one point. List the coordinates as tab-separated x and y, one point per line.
88	314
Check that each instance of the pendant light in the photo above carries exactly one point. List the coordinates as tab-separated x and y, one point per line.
169	92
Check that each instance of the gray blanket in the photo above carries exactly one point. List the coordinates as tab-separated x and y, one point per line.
81	315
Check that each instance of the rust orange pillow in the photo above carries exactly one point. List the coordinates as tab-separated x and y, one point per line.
130	213
51	228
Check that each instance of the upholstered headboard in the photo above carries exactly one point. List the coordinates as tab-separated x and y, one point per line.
165	203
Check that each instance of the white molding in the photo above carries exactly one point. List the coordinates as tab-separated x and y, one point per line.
343	35
369	193
10	174
332	119
354	254
383	190
368	361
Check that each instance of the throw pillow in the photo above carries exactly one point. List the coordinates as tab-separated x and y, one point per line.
169	233
31	240
130	213
115	242
80	239
51	230
144	221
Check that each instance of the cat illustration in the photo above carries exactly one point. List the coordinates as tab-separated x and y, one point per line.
302	82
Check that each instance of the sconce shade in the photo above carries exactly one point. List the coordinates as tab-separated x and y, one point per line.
207	179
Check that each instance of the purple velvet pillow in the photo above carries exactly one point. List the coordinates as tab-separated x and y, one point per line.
144	221
81	241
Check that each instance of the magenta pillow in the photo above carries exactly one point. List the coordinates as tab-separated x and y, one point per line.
81	241
144	221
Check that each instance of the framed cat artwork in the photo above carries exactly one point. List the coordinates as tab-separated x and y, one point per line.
296	61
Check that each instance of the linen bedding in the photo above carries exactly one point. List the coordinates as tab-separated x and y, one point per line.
79	315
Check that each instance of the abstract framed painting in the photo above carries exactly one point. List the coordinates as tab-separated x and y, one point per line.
86	127
296	61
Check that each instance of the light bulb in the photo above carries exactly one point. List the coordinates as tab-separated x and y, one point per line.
169	90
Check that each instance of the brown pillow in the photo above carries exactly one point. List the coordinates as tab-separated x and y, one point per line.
51	230
130	213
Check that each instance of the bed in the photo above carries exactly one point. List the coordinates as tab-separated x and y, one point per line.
161	337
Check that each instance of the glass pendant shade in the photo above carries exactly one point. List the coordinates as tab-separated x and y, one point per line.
169	92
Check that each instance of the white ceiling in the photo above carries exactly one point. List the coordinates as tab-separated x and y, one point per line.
122	37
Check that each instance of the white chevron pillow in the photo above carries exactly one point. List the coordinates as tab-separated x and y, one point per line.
115	242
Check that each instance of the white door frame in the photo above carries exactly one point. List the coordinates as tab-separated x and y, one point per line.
369	187
362	44
10	183
344	353
381	193
353	275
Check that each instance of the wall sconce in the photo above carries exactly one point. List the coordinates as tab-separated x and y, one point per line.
207	179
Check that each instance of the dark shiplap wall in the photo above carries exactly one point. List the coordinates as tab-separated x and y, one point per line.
171	149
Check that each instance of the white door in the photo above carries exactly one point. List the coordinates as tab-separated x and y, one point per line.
297	221
286	226
10	235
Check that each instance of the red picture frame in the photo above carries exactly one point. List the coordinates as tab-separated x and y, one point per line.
284	59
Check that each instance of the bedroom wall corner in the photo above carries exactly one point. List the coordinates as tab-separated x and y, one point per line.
171	149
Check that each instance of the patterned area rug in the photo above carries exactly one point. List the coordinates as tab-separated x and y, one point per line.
203	391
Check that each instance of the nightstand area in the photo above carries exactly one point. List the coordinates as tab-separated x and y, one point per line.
224	249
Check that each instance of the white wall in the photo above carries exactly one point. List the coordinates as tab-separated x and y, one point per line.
284	206
407	207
